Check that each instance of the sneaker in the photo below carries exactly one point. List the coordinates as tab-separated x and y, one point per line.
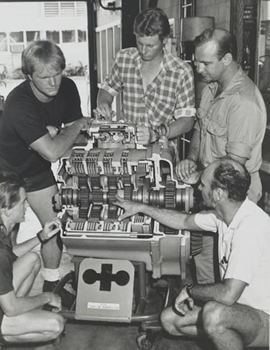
67	298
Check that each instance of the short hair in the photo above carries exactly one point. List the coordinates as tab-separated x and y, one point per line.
234	180
10	184
152	22
225	41
44	52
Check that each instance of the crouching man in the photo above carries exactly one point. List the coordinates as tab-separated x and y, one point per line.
235	312
22	319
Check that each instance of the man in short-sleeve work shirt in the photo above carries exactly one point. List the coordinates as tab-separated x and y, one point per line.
234	312
157	87
231	123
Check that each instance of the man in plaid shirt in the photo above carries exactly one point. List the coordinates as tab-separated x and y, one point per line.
157	87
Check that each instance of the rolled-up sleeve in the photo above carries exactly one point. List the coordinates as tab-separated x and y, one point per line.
206	220
242	127
239	149
185	104
112	83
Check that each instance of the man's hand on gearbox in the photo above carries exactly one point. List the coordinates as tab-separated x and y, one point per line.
186	171
104	111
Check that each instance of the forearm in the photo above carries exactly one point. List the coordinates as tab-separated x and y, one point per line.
171	218
62	143
194	146
180	127
212	292
104	98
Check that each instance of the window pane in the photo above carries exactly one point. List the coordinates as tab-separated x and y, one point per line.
53	35
16	37
51	9
32	36
104	54
189	11
117	39
3	41
29	21
98	58
81	8
81	36
68	36
110	52
67	9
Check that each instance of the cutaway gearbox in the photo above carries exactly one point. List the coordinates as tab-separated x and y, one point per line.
109	161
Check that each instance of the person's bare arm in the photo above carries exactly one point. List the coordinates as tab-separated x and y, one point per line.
180	127
104	103
188	166
170	218
194	147
53	148
14	306
50	229
226	292
146	135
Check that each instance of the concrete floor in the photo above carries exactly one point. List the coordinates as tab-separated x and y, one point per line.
82	335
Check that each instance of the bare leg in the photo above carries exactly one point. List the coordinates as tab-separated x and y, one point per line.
41	203
188	325
25	270
33	326
231	327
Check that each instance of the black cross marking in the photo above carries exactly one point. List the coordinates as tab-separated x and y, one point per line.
106	277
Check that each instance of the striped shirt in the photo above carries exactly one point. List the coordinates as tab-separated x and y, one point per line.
168	97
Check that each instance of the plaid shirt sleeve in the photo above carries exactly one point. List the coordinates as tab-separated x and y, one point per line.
185	105
112	83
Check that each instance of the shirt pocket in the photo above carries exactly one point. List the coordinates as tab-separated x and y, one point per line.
216	129
218	136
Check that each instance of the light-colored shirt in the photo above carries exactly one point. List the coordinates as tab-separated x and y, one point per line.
243	251
168	97
233	122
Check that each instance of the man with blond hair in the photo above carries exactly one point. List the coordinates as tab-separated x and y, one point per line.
42	119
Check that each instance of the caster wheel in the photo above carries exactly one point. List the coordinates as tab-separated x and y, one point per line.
144	343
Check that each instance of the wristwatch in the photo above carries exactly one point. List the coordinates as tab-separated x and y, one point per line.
189	286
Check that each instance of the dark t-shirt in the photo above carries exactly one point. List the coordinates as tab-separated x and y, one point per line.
7	259
24	121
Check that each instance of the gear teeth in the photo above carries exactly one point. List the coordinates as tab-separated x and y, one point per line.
170	195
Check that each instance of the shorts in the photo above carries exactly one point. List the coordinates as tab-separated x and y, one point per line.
2	340
262	338
40	181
